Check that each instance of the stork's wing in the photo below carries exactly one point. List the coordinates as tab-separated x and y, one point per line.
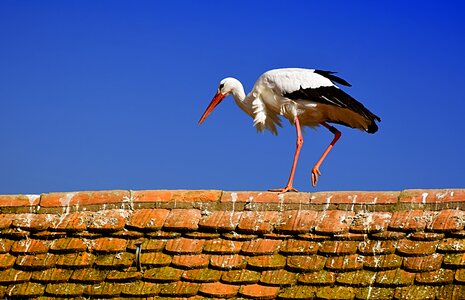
284	81
332	95
330	75
317	86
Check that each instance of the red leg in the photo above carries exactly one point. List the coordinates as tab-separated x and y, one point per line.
316	169
299	143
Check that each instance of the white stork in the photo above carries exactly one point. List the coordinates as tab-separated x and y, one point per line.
306	97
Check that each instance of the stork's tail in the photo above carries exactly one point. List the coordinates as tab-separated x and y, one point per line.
372	128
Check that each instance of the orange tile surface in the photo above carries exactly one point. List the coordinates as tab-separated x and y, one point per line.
181	244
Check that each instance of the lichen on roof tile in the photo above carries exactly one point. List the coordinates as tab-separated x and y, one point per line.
228	262
195	261
218	290
344	263
258	291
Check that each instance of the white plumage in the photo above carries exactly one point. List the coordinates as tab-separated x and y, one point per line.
292	79
306	97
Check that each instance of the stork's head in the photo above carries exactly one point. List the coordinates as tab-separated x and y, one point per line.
226	87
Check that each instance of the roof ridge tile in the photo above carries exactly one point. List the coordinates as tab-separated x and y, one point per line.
425	196
133	198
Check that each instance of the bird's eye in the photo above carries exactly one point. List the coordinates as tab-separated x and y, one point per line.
221	86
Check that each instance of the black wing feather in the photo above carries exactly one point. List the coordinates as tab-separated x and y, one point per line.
333	78
333	96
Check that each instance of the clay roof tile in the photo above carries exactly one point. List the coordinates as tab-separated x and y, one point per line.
177	244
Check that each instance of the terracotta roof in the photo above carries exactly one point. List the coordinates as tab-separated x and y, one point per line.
215	244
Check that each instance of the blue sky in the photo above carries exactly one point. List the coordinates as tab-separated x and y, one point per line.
107	94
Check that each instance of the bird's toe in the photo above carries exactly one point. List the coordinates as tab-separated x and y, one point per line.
284	190
315	174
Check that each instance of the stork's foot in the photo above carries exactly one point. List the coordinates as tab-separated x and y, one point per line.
315	173
284	190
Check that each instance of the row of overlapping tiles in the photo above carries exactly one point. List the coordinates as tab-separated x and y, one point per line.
72	199
240	251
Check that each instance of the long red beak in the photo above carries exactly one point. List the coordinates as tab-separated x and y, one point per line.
215	101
